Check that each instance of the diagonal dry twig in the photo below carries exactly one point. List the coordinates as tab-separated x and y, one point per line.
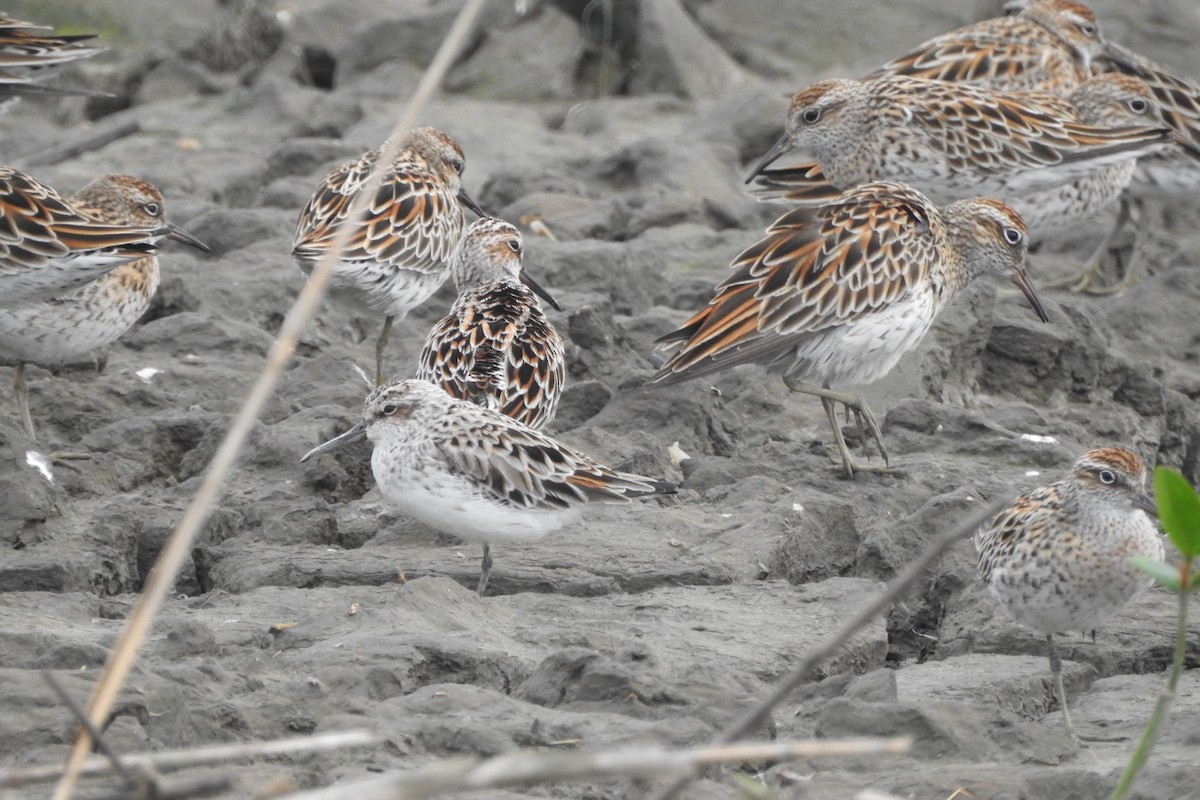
532	768
131	780
95	140
179	545
898	585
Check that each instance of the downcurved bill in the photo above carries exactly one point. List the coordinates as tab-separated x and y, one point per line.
180	235
1190	147
1146	503
537	289
466	200
1021	279
355	434
777	149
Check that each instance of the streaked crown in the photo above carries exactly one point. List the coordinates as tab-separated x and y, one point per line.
121	200
986	225
1111	468
489	251
401	401
818	105
437	151
1073	23
1116	100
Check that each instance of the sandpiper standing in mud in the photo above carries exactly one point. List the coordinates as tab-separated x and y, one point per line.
60	328
475	473
399	254
1058	559
837	293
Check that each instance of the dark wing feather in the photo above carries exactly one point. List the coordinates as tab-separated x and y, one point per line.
1006	54
406	223
28	54
497	350
1026	523
527	469
997	134
802	184
37	226
815	270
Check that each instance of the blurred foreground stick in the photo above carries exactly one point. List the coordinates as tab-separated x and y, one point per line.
898	585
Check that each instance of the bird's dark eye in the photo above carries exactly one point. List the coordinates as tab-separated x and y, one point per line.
1013	236
457	165
151	208
812	115
1107	477
1087	29
514	245
389	409
1138	106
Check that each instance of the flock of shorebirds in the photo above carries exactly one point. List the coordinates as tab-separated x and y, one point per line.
1034	111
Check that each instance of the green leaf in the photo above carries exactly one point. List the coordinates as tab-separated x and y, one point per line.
1179	510
1164	574
750	789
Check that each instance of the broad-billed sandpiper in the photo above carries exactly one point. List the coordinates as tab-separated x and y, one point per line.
475	473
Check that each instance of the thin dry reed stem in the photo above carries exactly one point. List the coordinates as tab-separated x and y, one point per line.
179	546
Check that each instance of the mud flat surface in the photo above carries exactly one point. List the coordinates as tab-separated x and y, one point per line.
654	622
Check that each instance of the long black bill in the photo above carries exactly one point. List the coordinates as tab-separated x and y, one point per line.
355	434
466	200
1021	279
777	149
180	235
538	290
1192	148
1120	57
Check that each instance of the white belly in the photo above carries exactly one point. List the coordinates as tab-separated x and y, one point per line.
866	349
1046	211
49	332
1080	587
373	289
454	505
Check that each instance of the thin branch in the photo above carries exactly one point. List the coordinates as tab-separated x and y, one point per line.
530	768
93	141
1165	697
179	789
179	546
93	730
898	585
172	760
